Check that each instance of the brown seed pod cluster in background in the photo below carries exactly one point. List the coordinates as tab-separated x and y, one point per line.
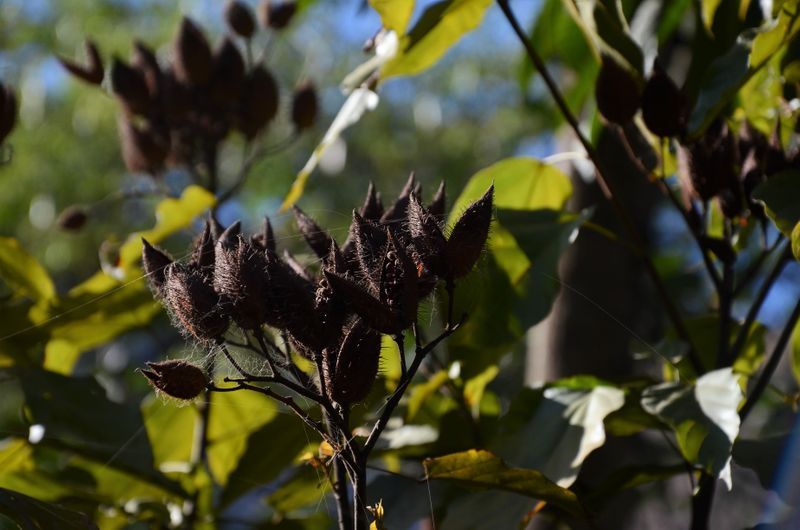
176	378
370	284
178	113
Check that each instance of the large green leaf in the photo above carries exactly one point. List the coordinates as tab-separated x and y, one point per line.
704	416
438	29
23	274
781	196
565	421
479	469
307	487
33	514
395	14
767	43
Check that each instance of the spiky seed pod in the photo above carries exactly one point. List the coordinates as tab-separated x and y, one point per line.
155	262
708	165
259	103
240	19
192	55
665	109
304	105
146	62
469	235
276	14
8	112
370	244
190	296
93	71
372	209
617	92
265	239
176	99
356	364
296	266
72	218
142	149
203	251
373	311
396	213
129	85
316	238
398	283
228	73
176	378
291	298
427	237
438	205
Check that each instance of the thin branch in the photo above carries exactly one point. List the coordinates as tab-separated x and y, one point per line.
607	188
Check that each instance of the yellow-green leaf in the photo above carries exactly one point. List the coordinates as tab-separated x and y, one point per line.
395	14
475	387
766	44
796	241
479	469
23	273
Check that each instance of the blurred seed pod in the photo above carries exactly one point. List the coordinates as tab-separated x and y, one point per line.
276	14
665	108
617	92
228	74
427	237
72	219
8	112
375	314
318	239
129	85
304	106
192	60
155	261
259	102
469	235
708	165
356	364
143	150
438	205
146	62
240	18
265	239
176	99
93	71
191	298
176	378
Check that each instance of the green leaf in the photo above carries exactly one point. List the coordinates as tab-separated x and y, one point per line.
795	345
709	8
23	273
796	241
767	43
567	424
704	416
479	469
420	393
395	14
307	487
438	29
780	196
475	387
33	514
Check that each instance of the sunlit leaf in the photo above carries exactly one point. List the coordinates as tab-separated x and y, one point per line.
478	469
779	196
23	273
475	387
306	487
709	8
795	346
395	14
438	29
419	393
766	44
796	241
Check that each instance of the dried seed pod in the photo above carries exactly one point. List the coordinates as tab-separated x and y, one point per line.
296	266
427	237
396	213
291	298
142	149
228	74
617	92
192	59
72	218
665	109
155	262
304	106
176	378
438	205
372	209
316	238
176	100
93	72
129	85
469	235
259	102
398	283
191	298
146	62
8	112
708	165
373	311
276	14
240	278
356	364
265	239
240	18
203	251
370	244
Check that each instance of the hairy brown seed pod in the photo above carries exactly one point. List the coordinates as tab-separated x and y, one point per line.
373	311
296	266
438	205
427	237
304	106
396	213
398	283
155	262
259	103
265	239
356	364
72	218
203	249
146	62
8	112
191	298
276	14
192	55
142	149
176	378
469	235
708	165
228	74
617	92
240	18
93	71
370	242
129	85
372	209
665	109
316	238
